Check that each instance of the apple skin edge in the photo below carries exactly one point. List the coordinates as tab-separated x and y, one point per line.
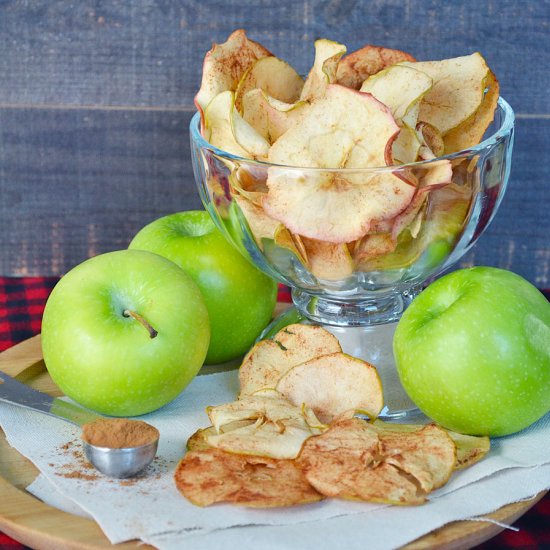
108	361
240	298
473	352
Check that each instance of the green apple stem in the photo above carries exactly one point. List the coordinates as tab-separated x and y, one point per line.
140	319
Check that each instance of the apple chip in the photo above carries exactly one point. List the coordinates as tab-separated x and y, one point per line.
457	92
344	129
270	117
428	454
226	129
225	64
328	261
406	147
356	67
273	76
471	131
261	225
243	183
323	72
371	246
268	360
469	448
431	138
334	384
399	88
283	238
211	476
279	428
197	442
346	462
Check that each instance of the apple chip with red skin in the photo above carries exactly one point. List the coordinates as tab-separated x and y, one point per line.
344	129
269	360
225	64
334	384
356	67
270	117
210	476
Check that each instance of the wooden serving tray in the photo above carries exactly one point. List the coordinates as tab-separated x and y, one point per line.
30	521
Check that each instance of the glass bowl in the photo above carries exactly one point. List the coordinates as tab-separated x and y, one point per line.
359	288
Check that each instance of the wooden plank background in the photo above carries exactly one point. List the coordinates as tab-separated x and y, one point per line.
96	97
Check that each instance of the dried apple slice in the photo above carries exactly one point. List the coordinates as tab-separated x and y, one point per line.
242	183
270	235
283	238
225	64
261	225
344	129
346	462
428	454
198	441
372	246
226	129
406	147
328	261
210	476
334	384
323	72
399	88
457	92
270	117
356	67
268	360
431	138
471	131
469	448
445	217
274	77
278	431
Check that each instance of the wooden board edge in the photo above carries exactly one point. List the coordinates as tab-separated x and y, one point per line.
469	533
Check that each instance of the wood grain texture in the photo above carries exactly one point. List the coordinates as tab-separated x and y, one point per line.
95	99
75	183
149	52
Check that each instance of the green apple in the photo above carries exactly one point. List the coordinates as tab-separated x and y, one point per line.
123	333
239	297
473	352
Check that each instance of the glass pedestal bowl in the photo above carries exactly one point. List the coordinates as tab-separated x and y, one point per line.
357	289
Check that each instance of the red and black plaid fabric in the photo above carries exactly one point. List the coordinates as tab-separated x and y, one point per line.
22	302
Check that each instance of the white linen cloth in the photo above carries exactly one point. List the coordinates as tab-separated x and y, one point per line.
151	509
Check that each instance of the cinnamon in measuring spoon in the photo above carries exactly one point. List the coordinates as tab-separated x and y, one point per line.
118	433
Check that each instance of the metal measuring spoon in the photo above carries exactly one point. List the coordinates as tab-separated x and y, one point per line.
119	463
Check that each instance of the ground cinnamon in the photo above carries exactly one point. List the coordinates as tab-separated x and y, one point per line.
118	433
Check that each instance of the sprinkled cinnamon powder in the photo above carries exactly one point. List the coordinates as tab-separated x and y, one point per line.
118	433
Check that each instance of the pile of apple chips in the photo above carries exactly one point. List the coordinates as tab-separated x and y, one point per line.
292	436
375	107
